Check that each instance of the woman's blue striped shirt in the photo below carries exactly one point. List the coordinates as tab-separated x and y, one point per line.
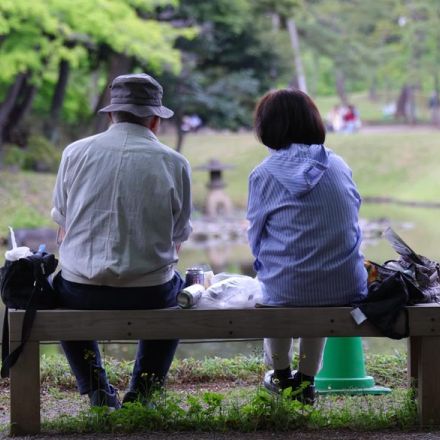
304	233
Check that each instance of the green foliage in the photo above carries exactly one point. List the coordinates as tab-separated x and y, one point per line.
26	200
227	66
36	35
14	157
41	32
39	155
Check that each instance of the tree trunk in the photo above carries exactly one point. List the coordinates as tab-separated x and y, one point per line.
315	75
8	103
372	91
22	105
119	65
340	86
179	132
294	41
405	105
51	125
434	102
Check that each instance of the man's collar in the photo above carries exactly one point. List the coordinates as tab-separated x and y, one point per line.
136	129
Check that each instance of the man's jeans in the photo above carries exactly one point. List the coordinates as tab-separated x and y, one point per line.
153	358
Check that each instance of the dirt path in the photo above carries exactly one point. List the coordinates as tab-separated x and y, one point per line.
295	435
56	403
396	128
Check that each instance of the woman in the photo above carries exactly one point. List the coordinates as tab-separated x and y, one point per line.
304	232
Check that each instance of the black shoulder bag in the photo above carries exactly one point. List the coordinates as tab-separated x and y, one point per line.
390	290
24	285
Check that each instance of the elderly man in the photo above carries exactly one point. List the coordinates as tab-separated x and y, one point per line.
122	201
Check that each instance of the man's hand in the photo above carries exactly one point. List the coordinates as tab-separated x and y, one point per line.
60	235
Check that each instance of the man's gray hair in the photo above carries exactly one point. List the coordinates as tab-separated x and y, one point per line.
130	117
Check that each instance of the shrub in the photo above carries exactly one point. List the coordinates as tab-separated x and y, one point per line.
40	155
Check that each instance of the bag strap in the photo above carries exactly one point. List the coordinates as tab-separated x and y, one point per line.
9	359
396	335
393	334
5	336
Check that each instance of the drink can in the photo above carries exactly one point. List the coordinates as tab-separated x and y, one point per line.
190	295
194	275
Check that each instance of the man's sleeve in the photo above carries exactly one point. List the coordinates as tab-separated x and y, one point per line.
182	222
59	199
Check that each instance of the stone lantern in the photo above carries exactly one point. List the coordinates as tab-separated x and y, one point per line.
218	203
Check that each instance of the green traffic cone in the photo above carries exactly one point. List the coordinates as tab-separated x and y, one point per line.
343	369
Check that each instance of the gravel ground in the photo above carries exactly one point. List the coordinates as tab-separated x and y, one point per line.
295	435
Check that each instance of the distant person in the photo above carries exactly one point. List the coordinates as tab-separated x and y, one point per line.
191	123
304	233
351	119
122	201
334	119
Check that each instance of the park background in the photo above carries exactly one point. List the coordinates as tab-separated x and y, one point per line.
215	59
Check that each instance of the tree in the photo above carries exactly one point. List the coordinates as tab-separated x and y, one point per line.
41	41
225	67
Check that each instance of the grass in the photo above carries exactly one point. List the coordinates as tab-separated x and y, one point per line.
218	395
244	412
245	407
388	370
25	199
372	110
403	165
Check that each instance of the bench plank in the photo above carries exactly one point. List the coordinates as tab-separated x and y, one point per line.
198	323
192	324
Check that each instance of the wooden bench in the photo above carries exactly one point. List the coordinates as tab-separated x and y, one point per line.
55	325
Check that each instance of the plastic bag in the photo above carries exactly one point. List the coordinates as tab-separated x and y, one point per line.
230	291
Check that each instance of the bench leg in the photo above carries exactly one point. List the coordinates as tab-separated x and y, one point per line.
25	390
413	360
428	395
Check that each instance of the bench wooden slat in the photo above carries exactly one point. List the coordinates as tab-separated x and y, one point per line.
191	324
198	323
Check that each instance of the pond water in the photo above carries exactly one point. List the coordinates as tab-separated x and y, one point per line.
417	226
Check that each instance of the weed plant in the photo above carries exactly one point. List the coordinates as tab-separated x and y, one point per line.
245	412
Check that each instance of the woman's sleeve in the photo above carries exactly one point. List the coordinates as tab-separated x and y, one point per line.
255	213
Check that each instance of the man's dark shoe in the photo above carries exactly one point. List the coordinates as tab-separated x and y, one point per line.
143	390
301	390
101	397
136	396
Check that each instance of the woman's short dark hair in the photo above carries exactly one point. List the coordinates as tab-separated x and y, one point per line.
288	116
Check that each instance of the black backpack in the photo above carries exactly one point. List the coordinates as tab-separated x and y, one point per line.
24	285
